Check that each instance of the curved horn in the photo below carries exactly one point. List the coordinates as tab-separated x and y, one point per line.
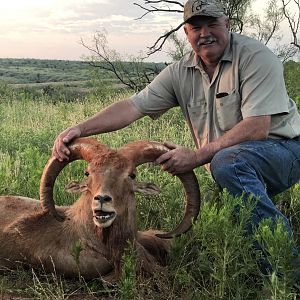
81	148
141	152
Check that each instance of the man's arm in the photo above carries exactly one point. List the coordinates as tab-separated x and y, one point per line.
114	117
180	159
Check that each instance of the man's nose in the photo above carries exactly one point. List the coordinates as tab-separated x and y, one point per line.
204	31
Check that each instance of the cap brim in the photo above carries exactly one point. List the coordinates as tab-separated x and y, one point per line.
205	14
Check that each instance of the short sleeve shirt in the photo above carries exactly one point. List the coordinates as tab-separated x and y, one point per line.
248	81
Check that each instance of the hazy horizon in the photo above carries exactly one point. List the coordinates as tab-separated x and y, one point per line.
52	29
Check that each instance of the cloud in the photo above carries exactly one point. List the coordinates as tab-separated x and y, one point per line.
74	16
34	22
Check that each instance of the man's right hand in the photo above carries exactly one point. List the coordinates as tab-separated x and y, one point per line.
60	149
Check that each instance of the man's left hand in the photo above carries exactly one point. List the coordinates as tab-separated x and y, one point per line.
178	160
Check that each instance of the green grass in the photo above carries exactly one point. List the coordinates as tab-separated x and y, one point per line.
215	260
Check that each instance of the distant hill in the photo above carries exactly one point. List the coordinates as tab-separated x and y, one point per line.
29	71
22	71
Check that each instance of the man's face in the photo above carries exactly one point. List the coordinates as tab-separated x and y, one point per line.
208	37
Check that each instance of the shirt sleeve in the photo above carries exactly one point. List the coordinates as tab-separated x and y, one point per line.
262	86
158	96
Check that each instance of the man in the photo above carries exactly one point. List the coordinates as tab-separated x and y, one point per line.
232	94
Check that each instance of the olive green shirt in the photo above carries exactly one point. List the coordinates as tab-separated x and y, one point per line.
247	82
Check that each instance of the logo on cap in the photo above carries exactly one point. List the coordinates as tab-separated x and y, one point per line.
197	5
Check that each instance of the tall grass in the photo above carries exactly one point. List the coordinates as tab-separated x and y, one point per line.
215	260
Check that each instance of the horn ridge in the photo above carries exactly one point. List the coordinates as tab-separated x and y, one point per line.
80	148
144	151
141	152
192	205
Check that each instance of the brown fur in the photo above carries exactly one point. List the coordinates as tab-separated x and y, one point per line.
33	237
38	240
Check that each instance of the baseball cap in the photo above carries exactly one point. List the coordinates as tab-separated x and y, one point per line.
209	8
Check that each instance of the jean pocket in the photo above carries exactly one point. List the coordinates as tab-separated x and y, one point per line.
229	110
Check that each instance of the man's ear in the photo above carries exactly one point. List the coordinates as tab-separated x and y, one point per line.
185	29
227	23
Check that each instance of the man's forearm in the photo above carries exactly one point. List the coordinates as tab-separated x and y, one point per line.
114	117
253	128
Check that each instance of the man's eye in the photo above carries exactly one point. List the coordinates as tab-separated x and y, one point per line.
86	173
132	176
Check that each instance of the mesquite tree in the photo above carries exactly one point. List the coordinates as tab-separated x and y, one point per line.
235	10
293	19
267	28
136	74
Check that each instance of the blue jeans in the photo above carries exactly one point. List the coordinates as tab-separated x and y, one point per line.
261	169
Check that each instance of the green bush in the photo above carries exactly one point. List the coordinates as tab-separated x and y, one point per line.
292	75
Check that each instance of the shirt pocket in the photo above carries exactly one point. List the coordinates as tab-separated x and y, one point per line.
229	110
198	115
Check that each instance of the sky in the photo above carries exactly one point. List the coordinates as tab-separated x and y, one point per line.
52	29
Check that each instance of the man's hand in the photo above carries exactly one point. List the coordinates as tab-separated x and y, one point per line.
60	149
178	160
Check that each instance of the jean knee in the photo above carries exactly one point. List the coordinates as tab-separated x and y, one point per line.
222	165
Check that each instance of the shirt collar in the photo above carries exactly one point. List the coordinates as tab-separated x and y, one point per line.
193	60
